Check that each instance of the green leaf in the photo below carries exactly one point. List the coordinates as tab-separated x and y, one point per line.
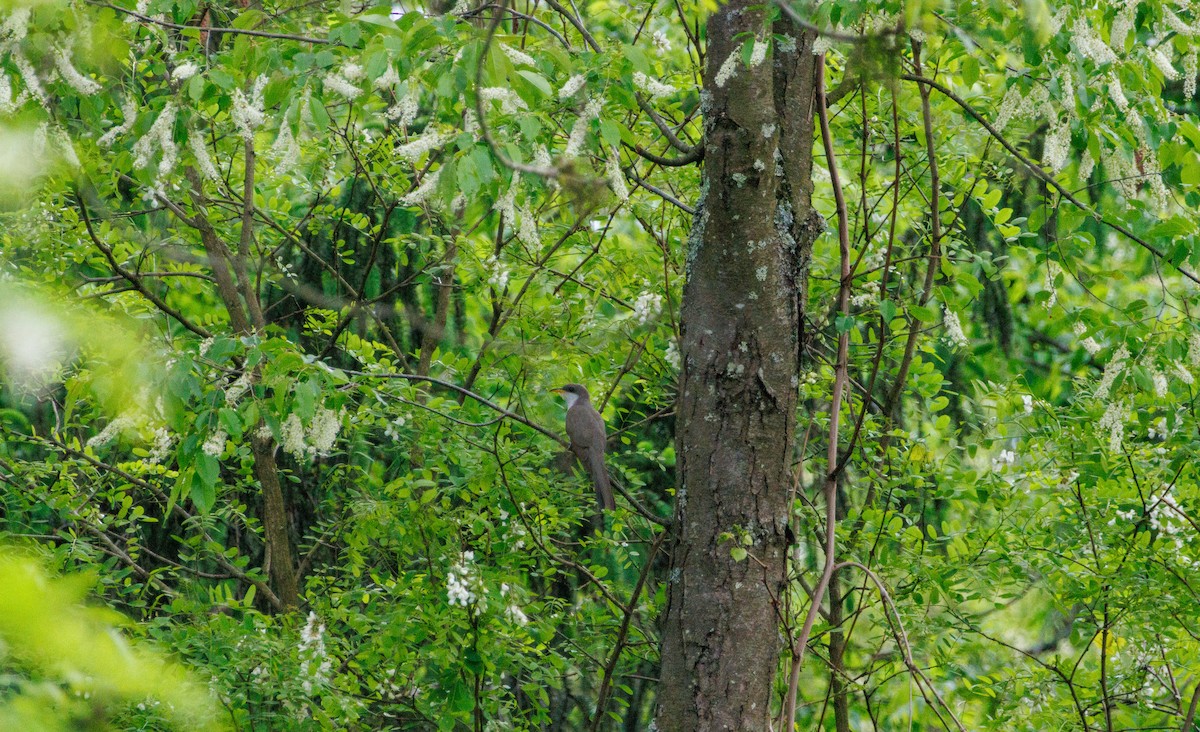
195	87
970	70
610	132
207	469
232	423
204	496
923	314
887	309
537	80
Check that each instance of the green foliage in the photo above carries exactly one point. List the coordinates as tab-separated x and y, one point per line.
376	326
69	666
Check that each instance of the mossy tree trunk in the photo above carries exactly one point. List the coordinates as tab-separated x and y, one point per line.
742	318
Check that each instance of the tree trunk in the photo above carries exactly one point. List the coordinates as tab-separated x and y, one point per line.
742	316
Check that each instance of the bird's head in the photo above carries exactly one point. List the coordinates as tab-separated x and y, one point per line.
572	393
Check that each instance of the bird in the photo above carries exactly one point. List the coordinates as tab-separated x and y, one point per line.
585	430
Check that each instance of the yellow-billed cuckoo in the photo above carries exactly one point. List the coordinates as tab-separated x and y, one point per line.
585	430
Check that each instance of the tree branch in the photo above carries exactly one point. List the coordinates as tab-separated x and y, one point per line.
1038	172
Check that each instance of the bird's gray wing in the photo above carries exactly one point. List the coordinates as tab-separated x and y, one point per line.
585	427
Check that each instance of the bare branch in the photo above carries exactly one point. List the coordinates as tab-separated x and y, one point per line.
232	31
133	279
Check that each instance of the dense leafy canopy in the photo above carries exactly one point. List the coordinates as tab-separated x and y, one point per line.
345	250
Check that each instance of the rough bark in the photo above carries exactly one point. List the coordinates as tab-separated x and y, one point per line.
280	560
233	285
742	316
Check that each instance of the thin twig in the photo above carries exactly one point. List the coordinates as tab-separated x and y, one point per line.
841	376
210	29
1041	174
133	279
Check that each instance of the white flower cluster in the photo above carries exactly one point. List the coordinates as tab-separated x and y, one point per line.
1090	44
404	111
247	112
1166	523
954	332
215	444
671	355
647	307
162	446
315	663
161	132
286	149
1111	371
33	85
725	73
185	71
1086	166
110	431
12	32
758	53
344	81
510	103
518	216
8	105
1019	104
1164	64
463	584
422	192
497	272
1158	430
16	26
1159	380
324	430
518	57
1089	344
1189	75
1122	24
1184	374
388	79
429	140
1116	92
1149	158
616	176
71	75
1162	522
391	429
580	128
238	389
653	87
513	610
1113	422
1179	25
49	139
1056	152
867	295
1005	458
318	440
660	41
571	86
1121	173
292	436
821	45
200	151
1053	270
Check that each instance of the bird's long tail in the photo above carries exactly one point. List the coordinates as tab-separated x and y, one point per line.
599	473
